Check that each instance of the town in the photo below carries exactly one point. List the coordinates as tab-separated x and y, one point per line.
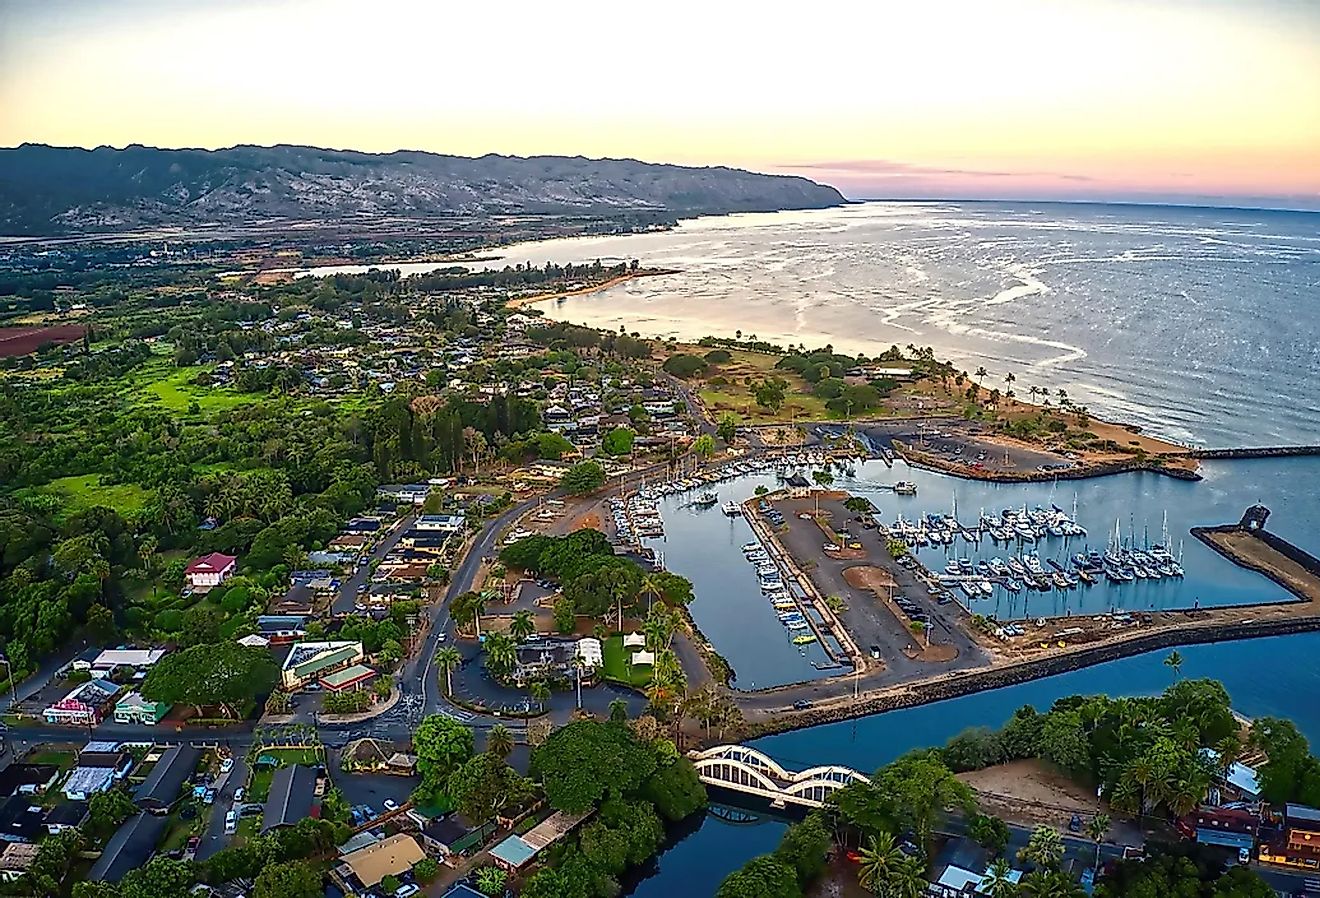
381	585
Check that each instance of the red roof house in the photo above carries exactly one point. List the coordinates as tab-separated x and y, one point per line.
210	571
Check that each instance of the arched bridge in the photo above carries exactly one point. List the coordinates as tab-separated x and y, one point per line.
748	770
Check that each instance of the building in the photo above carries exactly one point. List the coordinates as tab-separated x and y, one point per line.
83	706
590	652
955	880
281	629
66	815
133	708
139	660
1297	843
441	523
451	834
27	779
16	859
391	856
308	661
164	784
460	890
130	847
404	493
316	580
96	771
350	679
205	573
292	797
516	851
22	819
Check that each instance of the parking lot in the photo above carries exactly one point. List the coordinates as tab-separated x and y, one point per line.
869	619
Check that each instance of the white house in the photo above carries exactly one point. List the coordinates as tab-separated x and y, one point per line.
440	523
209	571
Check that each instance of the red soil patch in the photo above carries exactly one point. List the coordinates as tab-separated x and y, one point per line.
16	341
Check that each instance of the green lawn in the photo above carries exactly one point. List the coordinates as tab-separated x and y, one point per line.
83	491
171	387
617	668
61	759
259	783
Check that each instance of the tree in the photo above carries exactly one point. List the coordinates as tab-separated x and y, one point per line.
1044	848
581	763
490	880
226	675
761	877
448	658
584	477
466	608
499	741
1096	830
908	879
919	785
804	847
675	790
426	870
727	428
880	858
1174	662
618	711
295	879
107	810
618	441
162	877
484	786
1049	884
990	832
684	366
770	393
501	654
539	692
999	881
704	446
441	745
522	625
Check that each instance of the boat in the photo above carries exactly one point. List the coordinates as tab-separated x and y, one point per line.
706	500
905	488
732	509
804	639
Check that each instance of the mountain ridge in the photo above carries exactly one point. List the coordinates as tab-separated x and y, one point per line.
47	190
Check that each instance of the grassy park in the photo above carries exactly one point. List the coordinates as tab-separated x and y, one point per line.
617	668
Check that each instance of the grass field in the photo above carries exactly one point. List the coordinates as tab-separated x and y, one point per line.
160	383
86	490
617	667
734	394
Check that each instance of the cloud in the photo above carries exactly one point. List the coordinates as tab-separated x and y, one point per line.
887	168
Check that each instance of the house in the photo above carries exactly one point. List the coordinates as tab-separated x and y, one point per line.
83	706
362	525
308	661
315	580
22	819
205	573
451	834
162	787
292	794
350	679
130	847
1297	843
441	523
462	890
516	851
27	779
16	859
955	880
96	771
299	599
66	815
133	708
404	493
389	857
139	660
590	652
282	629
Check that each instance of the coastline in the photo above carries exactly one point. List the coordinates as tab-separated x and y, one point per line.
523	302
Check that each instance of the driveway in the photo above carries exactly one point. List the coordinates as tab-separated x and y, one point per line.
215	837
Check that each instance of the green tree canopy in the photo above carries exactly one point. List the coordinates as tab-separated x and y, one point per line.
586	761
226	675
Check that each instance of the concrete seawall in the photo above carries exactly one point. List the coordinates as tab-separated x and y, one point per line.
1257	452
959	685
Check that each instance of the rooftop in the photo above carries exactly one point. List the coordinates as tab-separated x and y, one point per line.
388	857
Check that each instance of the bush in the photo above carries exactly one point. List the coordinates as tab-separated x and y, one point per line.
684	365
973	749
718	356
170	620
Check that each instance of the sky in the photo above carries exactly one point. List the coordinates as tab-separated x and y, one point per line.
1084	99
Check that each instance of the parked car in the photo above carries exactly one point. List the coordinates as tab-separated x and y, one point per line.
1075	824
238	794
231	822
226	765
405	890
875	651
391	804
801	704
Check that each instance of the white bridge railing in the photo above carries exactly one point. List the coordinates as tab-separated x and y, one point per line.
748	770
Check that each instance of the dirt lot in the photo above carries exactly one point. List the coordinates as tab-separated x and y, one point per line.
1249	551
1029	792
16	341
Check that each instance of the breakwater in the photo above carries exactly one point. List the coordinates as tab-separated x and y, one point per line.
1254	452
958	685
1086	471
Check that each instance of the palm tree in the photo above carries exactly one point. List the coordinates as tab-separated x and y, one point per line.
980	376
522	625
539	692
651	588
1044	848
618	711
998	881
1096	830
908	879
499	741
501	654
1049	884
449	658
1174	662
879	859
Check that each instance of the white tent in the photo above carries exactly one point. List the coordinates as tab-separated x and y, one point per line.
254	640
634	641
643	658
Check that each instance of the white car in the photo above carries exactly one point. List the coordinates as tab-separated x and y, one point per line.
226	765
405	890
231	822
391	804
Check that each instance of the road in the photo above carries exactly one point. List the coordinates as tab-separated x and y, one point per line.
346	599
215	837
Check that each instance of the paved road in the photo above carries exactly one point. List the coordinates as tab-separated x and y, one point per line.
348	589
215	837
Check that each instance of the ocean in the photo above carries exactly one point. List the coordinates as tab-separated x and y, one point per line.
1201	325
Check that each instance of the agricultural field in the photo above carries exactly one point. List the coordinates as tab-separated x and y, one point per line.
16	341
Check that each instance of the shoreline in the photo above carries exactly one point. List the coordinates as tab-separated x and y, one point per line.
522	302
